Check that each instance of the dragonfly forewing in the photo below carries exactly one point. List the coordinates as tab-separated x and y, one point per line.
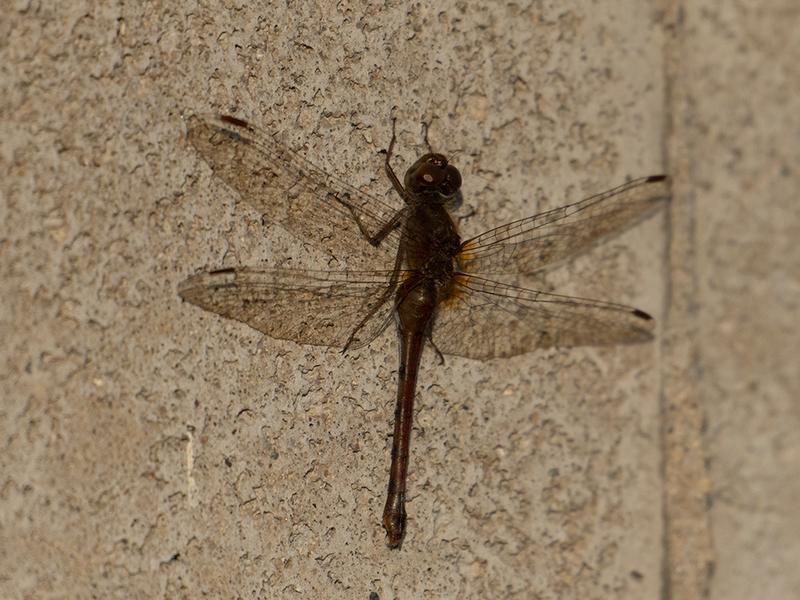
289	191
544	240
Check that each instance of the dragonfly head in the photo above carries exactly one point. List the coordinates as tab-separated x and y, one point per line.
432	177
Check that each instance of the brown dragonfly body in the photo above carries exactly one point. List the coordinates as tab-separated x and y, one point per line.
420	273
429	251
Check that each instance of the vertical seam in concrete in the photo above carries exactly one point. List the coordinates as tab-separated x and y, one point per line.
687	552
666	590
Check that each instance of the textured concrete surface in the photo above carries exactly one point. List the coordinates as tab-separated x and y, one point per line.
154	450
735	144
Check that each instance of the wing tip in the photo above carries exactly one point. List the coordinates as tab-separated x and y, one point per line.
659	189
643	330
657	178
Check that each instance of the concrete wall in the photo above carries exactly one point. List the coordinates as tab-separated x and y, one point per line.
150	449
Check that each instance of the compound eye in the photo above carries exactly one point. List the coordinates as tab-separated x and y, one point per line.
453	178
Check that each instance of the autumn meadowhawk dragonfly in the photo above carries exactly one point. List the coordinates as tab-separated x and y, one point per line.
413	267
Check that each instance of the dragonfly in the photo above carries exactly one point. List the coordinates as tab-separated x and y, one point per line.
410	267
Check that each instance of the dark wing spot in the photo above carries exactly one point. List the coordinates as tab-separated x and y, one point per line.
234	121
642	315
653	178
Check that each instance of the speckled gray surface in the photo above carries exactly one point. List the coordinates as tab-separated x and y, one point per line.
151	449
737	130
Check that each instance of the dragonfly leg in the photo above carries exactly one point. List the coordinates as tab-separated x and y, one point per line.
373	239
425	128
384	298
392	141
385	230
387	294
387	164
436	349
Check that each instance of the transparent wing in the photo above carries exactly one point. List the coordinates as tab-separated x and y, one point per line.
486	319
534	243
288	190
309	307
